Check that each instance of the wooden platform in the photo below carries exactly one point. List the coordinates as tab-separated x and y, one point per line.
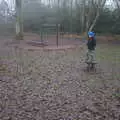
90	63
49	48
37	43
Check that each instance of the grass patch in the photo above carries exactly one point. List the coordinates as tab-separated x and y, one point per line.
3	68
109	53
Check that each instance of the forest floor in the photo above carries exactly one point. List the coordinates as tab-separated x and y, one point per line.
53	85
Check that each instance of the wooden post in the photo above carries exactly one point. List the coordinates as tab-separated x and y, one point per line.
41	31
57	27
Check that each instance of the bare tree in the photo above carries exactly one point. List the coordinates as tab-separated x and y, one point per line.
99	6
89	13
117	2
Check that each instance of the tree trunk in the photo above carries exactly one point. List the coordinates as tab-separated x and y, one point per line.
71	17
94	22
19	20
58	12
83	17
100	6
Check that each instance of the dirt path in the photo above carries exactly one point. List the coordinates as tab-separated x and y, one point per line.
52	85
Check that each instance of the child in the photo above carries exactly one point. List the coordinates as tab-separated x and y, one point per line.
91	44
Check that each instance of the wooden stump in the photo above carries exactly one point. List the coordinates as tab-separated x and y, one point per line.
91	67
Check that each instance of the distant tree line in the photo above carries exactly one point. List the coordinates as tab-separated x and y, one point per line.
75	16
